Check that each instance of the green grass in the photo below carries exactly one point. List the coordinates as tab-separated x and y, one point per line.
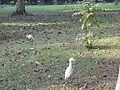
52	57
18	62
110	6
110	48
43	8
56	8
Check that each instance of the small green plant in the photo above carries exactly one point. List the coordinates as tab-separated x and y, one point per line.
89	20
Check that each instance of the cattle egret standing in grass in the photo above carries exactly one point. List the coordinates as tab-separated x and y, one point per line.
69	70
76	13
80	36
30	37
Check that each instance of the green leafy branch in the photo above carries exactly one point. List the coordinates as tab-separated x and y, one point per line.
89	20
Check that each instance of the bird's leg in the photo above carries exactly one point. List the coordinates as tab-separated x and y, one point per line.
31	42
65	82
70	80
65	85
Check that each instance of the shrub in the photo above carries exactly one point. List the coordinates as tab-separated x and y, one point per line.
89	20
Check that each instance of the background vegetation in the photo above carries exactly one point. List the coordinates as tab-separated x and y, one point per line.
40	65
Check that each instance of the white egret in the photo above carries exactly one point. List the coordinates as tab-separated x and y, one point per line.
69	70
32	48
76	14
80	36
30	37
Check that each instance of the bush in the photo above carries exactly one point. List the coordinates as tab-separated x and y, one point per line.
89	20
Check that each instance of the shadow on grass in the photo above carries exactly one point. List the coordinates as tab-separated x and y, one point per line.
105	47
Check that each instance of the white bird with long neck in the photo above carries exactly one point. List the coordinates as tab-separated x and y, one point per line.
69	70
30	37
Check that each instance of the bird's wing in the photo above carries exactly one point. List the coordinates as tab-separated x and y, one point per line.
68	72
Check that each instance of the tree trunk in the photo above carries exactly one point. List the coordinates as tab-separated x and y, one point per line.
69	1
55	2
118	81
116	2
20	7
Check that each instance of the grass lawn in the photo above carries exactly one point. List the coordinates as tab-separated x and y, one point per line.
41	64
56	8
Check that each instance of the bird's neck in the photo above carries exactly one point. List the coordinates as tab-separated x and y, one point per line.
70	64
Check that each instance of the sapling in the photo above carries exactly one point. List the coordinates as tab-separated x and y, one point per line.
89	20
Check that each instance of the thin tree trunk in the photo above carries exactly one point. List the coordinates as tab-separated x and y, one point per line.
69	1
20	7
42	2
118	81
116	2
55	2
